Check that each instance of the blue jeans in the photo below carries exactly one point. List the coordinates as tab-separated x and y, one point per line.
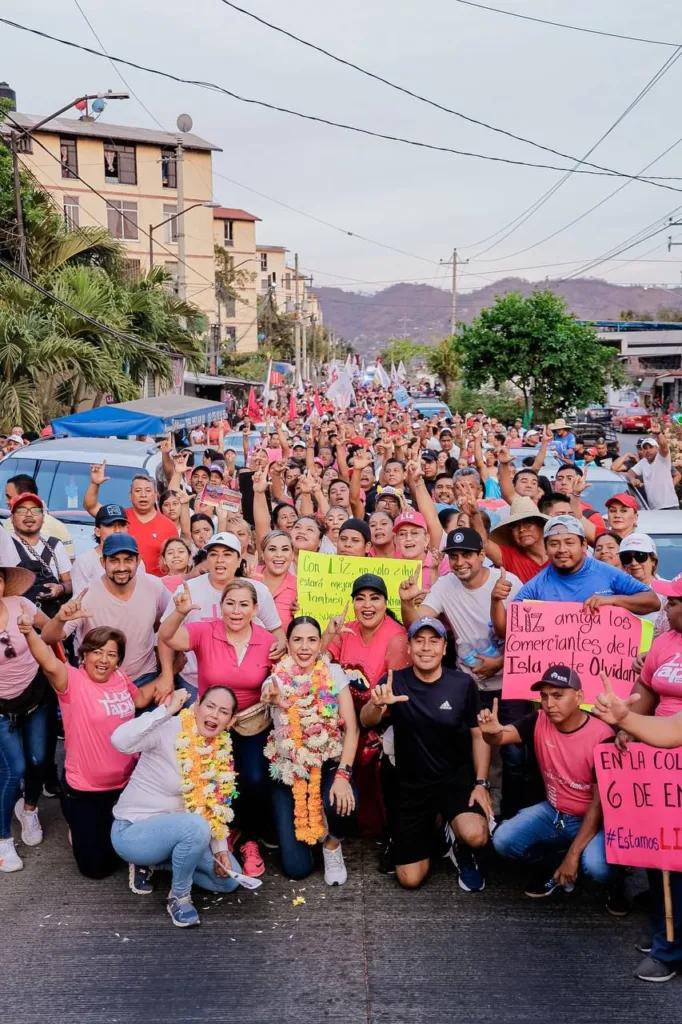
539	832
179	842
23	746
297	857
252	806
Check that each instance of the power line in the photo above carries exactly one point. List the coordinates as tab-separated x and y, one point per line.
108	202
211	86
116	69
573	28
546	196
129	339
405	90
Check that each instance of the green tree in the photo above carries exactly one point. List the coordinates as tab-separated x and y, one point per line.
534	342
444	360
276	328
398	349
634	314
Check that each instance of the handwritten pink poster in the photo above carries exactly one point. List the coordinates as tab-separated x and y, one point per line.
641	796
545	633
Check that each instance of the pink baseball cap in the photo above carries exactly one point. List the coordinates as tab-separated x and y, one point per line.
668	588
410	518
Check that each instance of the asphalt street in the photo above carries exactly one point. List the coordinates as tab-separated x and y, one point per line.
84	952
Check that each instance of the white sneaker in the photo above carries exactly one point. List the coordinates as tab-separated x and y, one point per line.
31	829
9	858
334	869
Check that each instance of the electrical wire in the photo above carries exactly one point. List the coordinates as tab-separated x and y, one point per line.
116	69
129	339
522	218
573	28
212	87
404	89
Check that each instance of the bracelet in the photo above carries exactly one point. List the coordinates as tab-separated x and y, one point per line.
483	782
346	768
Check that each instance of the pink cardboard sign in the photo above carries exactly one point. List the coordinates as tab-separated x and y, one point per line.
541	634
641	796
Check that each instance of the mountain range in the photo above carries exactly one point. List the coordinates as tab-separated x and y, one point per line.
421	312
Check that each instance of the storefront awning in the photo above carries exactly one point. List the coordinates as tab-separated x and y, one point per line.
144	416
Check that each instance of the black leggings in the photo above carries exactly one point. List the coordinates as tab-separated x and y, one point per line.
89	816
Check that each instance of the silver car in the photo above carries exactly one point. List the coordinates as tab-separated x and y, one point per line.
61	468
664	526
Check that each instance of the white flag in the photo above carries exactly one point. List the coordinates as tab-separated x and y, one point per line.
402	372
340	391
381	377
394	374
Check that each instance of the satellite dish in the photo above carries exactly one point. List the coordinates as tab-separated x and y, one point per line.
184	123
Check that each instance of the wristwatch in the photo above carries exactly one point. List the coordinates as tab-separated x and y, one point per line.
483	782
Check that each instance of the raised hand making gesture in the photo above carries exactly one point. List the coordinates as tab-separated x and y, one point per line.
611	708
25	620
382	696
183	602
73	610
98	473
488	722
502	588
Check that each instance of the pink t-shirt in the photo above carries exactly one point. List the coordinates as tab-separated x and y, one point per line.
217	660
90	713
15	673
662	672
172	583
387	649
566	760
285	597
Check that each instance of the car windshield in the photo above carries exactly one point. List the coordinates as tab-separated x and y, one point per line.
62	485
598	492
669	548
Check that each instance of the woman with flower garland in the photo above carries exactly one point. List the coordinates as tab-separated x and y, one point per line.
314	725
177	807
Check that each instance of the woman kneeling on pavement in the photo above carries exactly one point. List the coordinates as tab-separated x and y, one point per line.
314	725
175	811
233	647
23	720
94	699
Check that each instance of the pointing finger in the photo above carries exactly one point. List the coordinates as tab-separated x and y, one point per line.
389	681
608	689
494	707
344	613
82	595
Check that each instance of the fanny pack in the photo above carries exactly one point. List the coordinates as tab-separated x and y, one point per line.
253	720
26	701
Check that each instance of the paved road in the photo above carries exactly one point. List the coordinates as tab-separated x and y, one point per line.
82	952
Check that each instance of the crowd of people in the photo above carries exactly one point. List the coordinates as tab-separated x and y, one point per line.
205	718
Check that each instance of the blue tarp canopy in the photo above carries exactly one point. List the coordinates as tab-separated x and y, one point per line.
141	417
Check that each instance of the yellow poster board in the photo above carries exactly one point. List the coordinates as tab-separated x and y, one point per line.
325	582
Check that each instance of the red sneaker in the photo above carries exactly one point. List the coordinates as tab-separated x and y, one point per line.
252	862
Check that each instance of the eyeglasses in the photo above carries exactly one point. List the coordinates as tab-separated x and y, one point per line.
7	644
32	510
628	557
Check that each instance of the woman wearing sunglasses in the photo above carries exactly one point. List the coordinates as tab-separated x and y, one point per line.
23	719
638	558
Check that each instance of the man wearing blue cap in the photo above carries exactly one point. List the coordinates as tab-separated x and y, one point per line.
122	599
441	759
573	576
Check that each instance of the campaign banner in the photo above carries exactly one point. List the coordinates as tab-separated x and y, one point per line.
222	497
325	582
641	796
541	634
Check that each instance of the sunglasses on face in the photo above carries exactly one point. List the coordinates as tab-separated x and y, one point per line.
7	644
628	557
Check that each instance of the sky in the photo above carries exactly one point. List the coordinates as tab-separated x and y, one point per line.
560	88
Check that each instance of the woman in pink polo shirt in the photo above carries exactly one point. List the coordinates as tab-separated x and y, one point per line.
234	651
95	699
278	554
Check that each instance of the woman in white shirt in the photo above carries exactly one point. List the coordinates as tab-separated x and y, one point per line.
176	809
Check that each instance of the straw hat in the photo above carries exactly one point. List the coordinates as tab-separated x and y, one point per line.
522	510
559	424
17	580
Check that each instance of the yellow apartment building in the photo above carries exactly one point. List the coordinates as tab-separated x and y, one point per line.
237	319
134	170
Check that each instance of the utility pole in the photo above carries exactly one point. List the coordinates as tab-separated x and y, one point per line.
297	324
453	309
21	233
180	182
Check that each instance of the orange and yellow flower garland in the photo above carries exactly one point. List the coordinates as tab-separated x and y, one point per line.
306	734
207	775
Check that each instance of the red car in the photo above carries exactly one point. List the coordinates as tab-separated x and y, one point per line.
635	420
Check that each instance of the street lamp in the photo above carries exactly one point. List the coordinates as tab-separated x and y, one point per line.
14	150
180	213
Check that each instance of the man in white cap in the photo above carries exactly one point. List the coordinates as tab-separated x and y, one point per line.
654	471
572	576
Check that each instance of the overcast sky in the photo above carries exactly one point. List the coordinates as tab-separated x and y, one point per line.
557	87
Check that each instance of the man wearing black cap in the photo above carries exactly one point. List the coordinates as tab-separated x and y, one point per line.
110	519
567	825
429	466
441	761
465	597
354	538
123	599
